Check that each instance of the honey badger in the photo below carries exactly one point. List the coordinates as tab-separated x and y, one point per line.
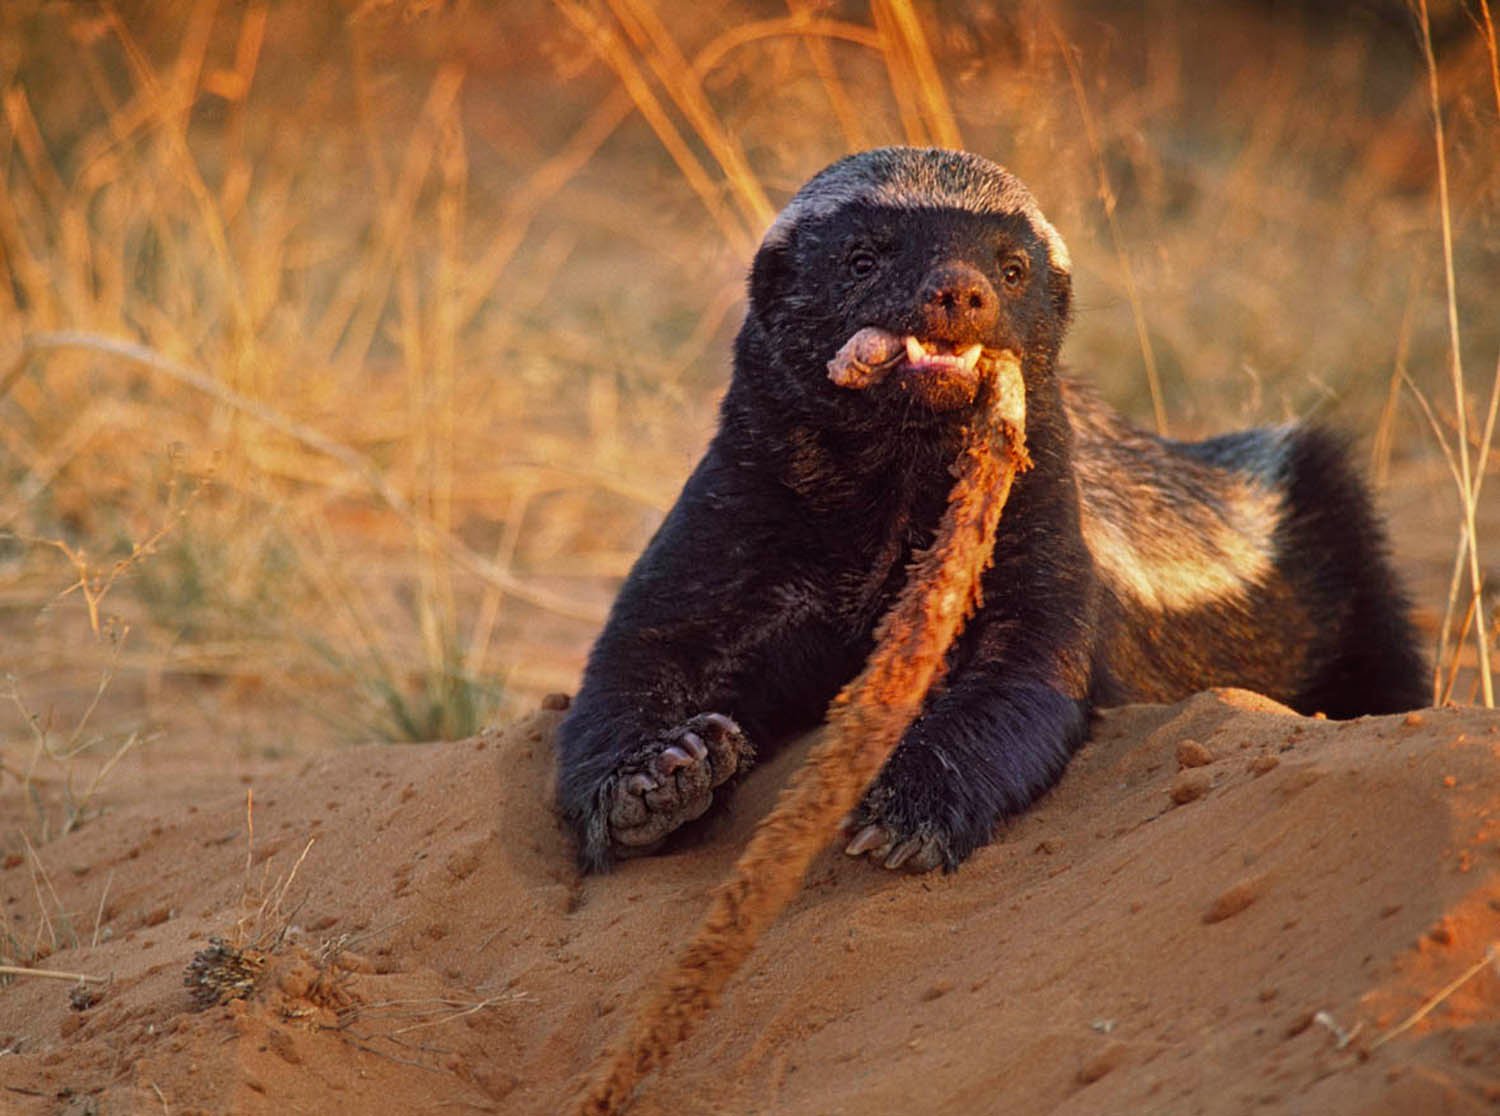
1128	567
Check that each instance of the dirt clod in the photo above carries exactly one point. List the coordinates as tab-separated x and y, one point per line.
1300	1023
1190	785
1102	1063
1262	764
1190	753
1234	900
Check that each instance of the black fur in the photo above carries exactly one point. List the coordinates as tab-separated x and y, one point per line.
758	596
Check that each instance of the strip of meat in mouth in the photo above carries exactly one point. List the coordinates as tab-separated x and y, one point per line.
873	353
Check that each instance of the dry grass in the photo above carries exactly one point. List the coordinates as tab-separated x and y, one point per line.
427	306
231	966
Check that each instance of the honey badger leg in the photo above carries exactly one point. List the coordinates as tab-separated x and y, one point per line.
986	748
712	642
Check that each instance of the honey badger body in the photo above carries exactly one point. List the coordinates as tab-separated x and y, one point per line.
1128	567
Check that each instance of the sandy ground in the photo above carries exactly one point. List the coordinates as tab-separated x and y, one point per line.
1223	908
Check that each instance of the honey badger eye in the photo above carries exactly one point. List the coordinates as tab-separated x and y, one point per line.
1013	272
861	263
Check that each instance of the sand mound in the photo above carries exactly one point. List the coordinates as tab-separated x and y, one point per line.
1159	935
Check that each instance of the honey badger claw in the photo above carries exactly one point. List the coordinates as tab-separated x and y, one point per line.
885	843
671	781
915	854
869	837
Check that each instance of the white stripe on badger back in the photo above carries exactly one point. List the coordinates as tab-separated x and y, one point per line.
1167	571
919	177
1171	529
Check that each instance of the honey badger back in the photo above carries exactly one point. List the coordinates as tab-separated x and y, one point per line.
1254	559
1127	568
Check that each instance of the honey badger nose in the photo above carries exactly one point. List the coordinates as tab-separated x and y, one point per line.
958	303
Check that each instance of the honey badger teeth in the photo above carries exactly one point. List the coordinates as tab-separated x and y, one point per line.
873	353
929	357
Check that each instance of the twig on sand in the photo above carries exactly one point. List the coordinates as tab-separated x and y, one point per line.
1491	957
1342	1038
99	914
51	974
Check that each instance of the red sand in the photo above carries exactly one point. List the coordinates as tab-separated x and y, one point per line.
1110	952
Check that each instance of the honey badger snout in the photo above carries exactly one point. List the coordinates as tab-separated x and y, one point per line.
957	303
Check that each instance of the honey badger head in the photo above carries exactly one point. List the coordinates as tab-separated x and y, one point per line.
943	253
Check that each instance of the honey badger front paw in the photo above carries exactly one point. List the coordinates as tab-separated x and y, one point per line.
891	833
671	780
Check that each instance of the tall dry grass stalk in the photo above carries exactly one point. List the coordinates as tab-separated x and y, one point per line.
1468	482
1109	200
915	77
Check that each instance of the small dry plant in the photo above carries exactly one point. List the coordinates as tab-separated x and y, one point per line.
56	790
231	965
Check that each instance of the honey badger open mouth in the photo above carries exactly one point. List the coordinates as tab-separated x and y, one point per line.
940	374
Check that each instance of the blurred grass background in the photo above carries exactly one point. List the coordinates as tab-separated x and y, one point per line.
351	352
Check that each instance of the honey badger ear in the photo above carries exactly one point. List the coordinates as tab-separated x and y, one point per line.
770	271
